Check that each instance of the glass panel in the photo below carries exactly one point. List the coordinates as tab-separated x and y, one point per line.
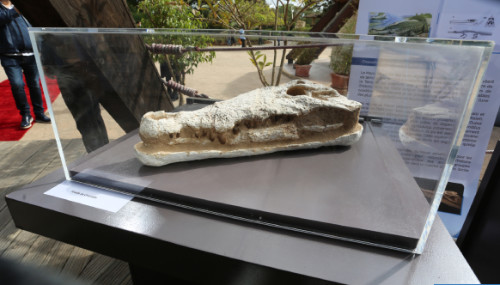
382	190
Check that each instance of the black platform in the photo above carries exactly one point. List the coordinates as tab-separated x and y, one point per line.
167	243
363	192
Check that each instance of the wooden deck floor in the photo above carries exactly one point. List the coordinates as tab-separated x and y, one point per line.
22	163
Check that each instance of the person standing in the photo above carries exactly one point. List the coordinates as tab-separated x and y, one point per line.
242	37
16	56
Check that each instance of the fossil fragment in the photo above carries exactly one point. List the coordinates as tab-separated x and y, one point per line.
430	128
296	115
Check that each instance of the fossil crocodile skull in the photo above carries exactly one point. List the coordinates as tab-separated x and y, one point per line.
297	115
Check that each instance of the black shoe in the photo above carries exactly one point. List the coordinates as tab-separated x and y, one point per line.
26	122
42	118
174	96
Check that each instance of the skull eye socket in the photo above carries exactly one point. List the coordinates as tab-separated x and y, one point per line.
296	90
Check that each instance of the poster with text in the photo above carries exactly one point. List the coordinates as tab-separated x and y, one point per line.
472	20
454	19
386	18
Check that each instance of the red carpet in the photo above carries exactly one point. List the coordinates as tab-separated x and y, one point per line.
9	115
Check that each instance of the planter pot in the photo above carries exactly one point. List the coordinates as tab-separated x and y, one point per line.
290	61
302	70
340	82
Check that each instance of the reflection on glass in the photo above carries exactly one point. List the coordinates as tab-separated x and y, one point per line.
383	190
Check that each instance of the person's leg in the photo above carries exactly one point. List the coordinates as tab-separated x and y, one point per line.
33	81
84	107
15	75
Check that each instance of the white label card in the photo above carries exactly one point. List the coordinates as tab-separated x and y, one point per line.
90	196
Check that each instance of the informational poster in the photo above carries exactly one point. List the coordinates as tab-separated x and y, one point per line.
456	19
472	20
388	18
363	68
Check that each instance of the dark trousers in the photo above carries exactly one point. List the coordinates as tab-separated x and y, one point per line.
14	67
77	85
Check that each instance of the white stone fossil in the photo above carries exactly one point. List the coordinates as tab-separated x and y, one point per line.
297	115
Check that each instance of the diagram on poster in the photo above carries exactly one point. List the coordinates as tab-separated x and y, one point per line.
480	27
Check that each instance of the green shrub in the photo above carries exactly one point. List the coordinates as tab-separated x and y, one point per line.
340	59
307	56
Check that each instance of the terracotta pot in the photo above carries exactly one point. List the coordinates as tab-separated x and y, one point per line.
340	82
302	70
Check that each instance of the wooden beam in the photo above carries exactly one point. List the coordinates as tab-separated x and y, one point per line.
329	15
341	17
335	18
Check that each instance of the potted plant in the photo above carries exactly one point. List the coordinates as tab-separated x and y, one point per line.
303	63
340	63
341	57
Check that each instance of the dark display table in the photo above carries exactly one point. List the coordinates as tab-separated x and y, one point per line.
362	192
158	240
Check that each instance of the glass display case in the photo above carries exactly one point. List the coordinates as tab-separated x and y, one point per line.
225	123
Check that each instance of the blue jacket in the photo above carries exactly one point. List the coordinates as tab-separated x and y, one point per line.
14	35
